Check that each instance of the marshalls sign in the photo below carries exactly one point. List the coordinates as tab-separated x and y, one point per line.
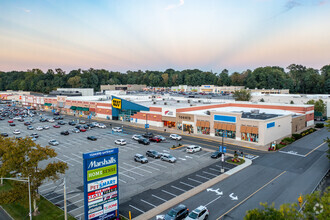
101	184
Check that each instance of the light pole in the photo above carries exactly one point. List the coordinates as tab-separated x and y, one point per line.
29	188
146	123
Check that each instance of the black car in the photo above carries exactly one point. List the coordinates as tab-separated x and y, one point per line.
18	137
91	125
60	117
148	135
21	120
56	113
153	154
179	212
144	141
56	118
43	120
34	135
72	123
216	154
78	126
12	124
86	127
4	134
65	133
92	138
61	122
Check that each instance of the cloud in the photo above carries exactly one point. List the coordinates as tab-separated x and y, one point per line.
169	7
27	10
292	4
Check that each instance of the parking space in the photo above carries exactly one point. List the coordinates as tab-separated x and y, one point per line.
134	178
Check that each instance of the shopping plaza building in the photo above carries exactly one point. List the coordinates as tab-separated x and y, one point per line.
243	122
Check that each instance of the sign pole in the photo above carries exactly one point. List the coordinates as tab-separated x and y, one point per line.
65	207
30	214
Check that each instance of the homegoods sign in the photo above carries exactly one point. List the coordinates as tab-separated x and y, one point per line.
101	184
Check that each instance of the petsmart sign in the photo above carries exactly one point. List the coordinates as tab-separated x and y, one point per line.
101	192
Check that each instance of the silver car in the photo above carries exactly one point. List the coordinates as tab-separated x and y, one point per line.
168	157
53	142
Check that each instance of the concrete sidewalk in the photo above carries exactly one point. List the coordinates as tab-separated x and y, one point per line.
176	200
4	215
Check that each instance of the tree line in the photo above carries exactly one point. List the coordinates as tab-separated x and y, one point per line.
297	78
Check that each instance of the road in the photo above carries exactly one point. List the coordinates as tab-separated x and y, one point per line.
279	177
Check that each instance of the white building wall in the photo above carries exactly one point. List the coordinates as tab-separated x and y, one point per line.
283	127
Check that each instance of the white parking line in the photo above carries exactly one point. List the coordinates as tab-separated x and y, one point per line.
159	198
213	200
43	185
122	180
64	161
195	180
178	188
203	177
60	195
136	209
127	170
73	159
78	156
135	167
147	203
127	176
76	209
169	193
203	154
158	164
72	203
80	213
222	167
210	173
214	169
67	198
187	184
151	167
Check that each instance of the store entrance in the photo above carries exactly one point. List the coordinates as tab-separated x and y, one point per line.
169	124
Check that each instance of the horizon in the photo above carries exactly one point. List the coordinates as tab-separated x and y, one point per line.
157	35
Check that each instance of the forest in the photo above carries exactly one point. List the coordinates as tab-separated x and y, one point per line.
297	78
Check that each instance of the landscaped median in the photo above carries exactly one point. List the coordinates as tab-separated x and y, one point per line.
19	211
176	200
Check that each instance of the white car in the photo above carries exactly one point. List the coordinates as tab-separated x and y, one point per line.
120	141
46	127
95	124
51	120
200	213
39	128
75	130
53	142
193	148
16	131
102	126
176	137
117	129
168	157
17	117
136	137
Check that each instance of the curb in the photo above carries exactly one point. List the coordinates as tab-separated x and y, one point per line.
176	200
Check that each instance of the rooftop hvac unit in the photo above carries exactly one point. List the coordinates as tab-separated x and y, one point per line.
165	103
255	111
199	100
178	101
163	99
154	102
188	100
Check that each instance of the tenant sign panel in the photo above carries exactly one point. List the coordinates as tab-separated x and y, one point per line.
101	192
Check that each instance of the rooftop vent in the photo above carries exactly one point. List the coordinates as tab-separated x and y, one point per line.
165	103
255	111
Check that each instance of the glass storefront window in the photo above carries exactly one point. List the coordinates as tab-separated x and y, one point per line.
188	128
249	137
203	130
230	134
179	126
169	124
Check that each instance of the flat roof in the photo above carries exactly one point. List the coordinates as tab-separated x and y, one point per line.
247	112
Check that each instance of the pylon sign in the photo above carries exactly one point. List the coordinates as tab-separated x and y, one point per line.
101	192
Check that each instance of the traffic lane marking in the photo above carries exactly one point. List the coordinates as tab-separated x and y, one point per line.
251	195
314	149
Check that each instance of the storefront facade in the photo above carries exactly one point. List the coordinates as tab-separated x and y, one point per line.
185	122
123	110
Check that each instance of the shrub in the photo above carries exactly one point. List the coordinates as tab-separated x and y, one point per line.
288	140
279	146
236	160
296	136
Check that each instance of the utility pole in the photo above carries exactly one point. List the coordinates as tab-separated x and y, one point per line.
30	213
65	207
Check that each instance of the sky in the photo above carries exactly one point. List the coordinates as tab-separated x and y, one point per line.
122	35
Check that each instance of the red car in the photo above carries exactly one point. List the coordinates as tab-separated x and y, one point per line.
56	126
82	129
155	139
10	121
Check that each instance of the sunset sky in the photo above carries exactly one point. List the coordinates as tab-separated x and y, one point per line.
121	35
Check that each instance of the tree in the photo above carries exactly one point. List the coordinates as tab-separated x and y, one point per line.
328	139
75	81
319	106
315	207
22	158
262	100
291	102
242	95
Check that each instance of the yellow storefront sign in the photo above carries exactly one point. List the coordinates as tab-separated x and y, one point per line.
116	103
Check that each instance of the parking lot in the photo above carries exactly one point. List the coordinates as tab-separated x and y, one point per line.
134	177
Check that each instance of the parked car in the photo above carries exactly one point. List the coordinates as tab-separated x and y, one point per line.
53	142
179	212
144	141
176	137
155	139
102	126
20	120
46	127
27	123
56	126
95	124
35	135
51	120
82	122
168	157
18	137
162	138
61	122
72	123
153	154
193	148
216	154
200	213
91	125
92	138
16	131
148	135
42	120
120	141
140	158
65	133
30	127
117	129
56	113
136	137
86	127
39	128
12	124
10	121
75	130
4	134
82	129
